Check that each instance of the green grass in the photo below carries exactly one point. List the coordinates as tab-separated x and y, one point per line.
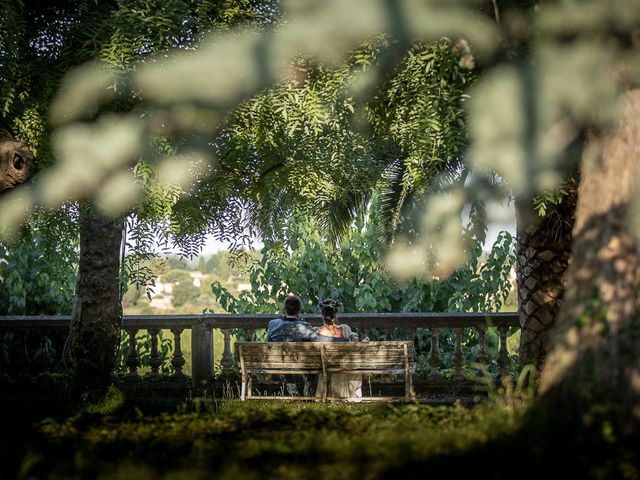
251	440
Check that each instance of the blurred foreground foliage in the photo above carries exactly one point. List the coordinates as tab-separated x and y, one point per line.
545	77
314	96
40	42
229	439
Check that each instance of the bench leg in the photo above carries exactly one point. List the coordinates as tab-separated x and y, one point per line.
407	389
412	394
325	380
243	393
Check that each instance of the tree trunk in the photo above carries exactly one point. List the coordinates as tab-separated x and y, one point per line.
596	359
544	253
97	311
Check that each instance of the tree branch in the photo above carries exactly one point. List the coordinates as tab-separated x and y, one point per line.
496	11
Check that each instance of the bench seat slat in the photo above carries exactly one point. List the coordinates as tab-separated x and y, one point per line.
365	371
313	345
329	354
276	356
318	366
363	365
284	371
358	359
338	348
271	397
285	366
318	360
368	399
284	361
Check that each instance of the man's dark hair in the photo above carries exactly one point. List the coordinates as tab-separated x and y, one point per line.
292	305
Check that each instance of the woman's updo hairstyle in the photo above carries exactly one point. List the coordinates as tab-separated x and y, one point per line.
329	308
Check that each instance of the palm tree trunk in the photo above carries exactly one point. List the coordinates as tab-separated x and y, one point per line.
596	358
97	311
544	253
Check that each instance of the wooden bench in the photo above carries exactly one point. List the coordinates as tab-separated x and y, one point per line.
325	359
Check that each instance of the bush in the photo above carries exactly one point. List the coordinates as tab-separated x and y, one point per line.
352	272
185	292
176	276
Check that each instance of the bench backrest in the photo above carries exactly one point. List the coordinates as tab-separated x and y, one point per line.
308	355
374	355
279	355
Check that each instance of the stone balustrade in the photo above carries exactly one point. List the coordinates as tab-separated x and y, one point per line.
33	349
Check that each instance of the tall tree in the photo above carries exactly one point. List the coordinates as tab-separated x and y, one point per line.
544	241
597	358
525	114
40	43
97	311
543	223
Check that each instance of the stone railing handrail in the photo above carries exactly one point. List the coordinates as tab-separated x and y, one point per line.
228	320
202	326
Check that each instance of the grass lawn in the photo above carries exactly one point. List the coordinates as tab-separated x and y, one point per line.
253	440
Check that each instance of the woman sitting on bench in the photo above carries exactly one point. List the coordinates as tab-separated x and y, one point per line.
343	385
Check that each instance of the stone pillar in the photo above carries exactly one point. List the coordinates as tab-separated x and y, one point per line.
201	356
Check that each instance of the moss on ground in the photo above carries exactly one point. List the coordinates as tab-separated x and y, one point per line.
236	440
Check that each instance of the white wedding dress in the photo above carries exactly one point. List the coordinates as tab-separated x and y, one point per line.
343	385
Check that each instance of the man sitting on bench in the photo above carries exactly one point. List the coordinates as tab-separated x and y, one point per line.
292	328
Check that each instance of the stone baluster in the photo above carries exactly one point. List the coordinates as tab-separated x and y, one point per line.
201	356
248	333
503	354
178	360
458	360
44	360
23	362
5	378
482	351
411	336
154	356
435	362
410	333
227	358
388	333
133	362
364	332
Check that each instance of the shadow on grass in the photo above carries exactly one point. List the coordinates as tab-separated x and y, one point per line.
165	438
